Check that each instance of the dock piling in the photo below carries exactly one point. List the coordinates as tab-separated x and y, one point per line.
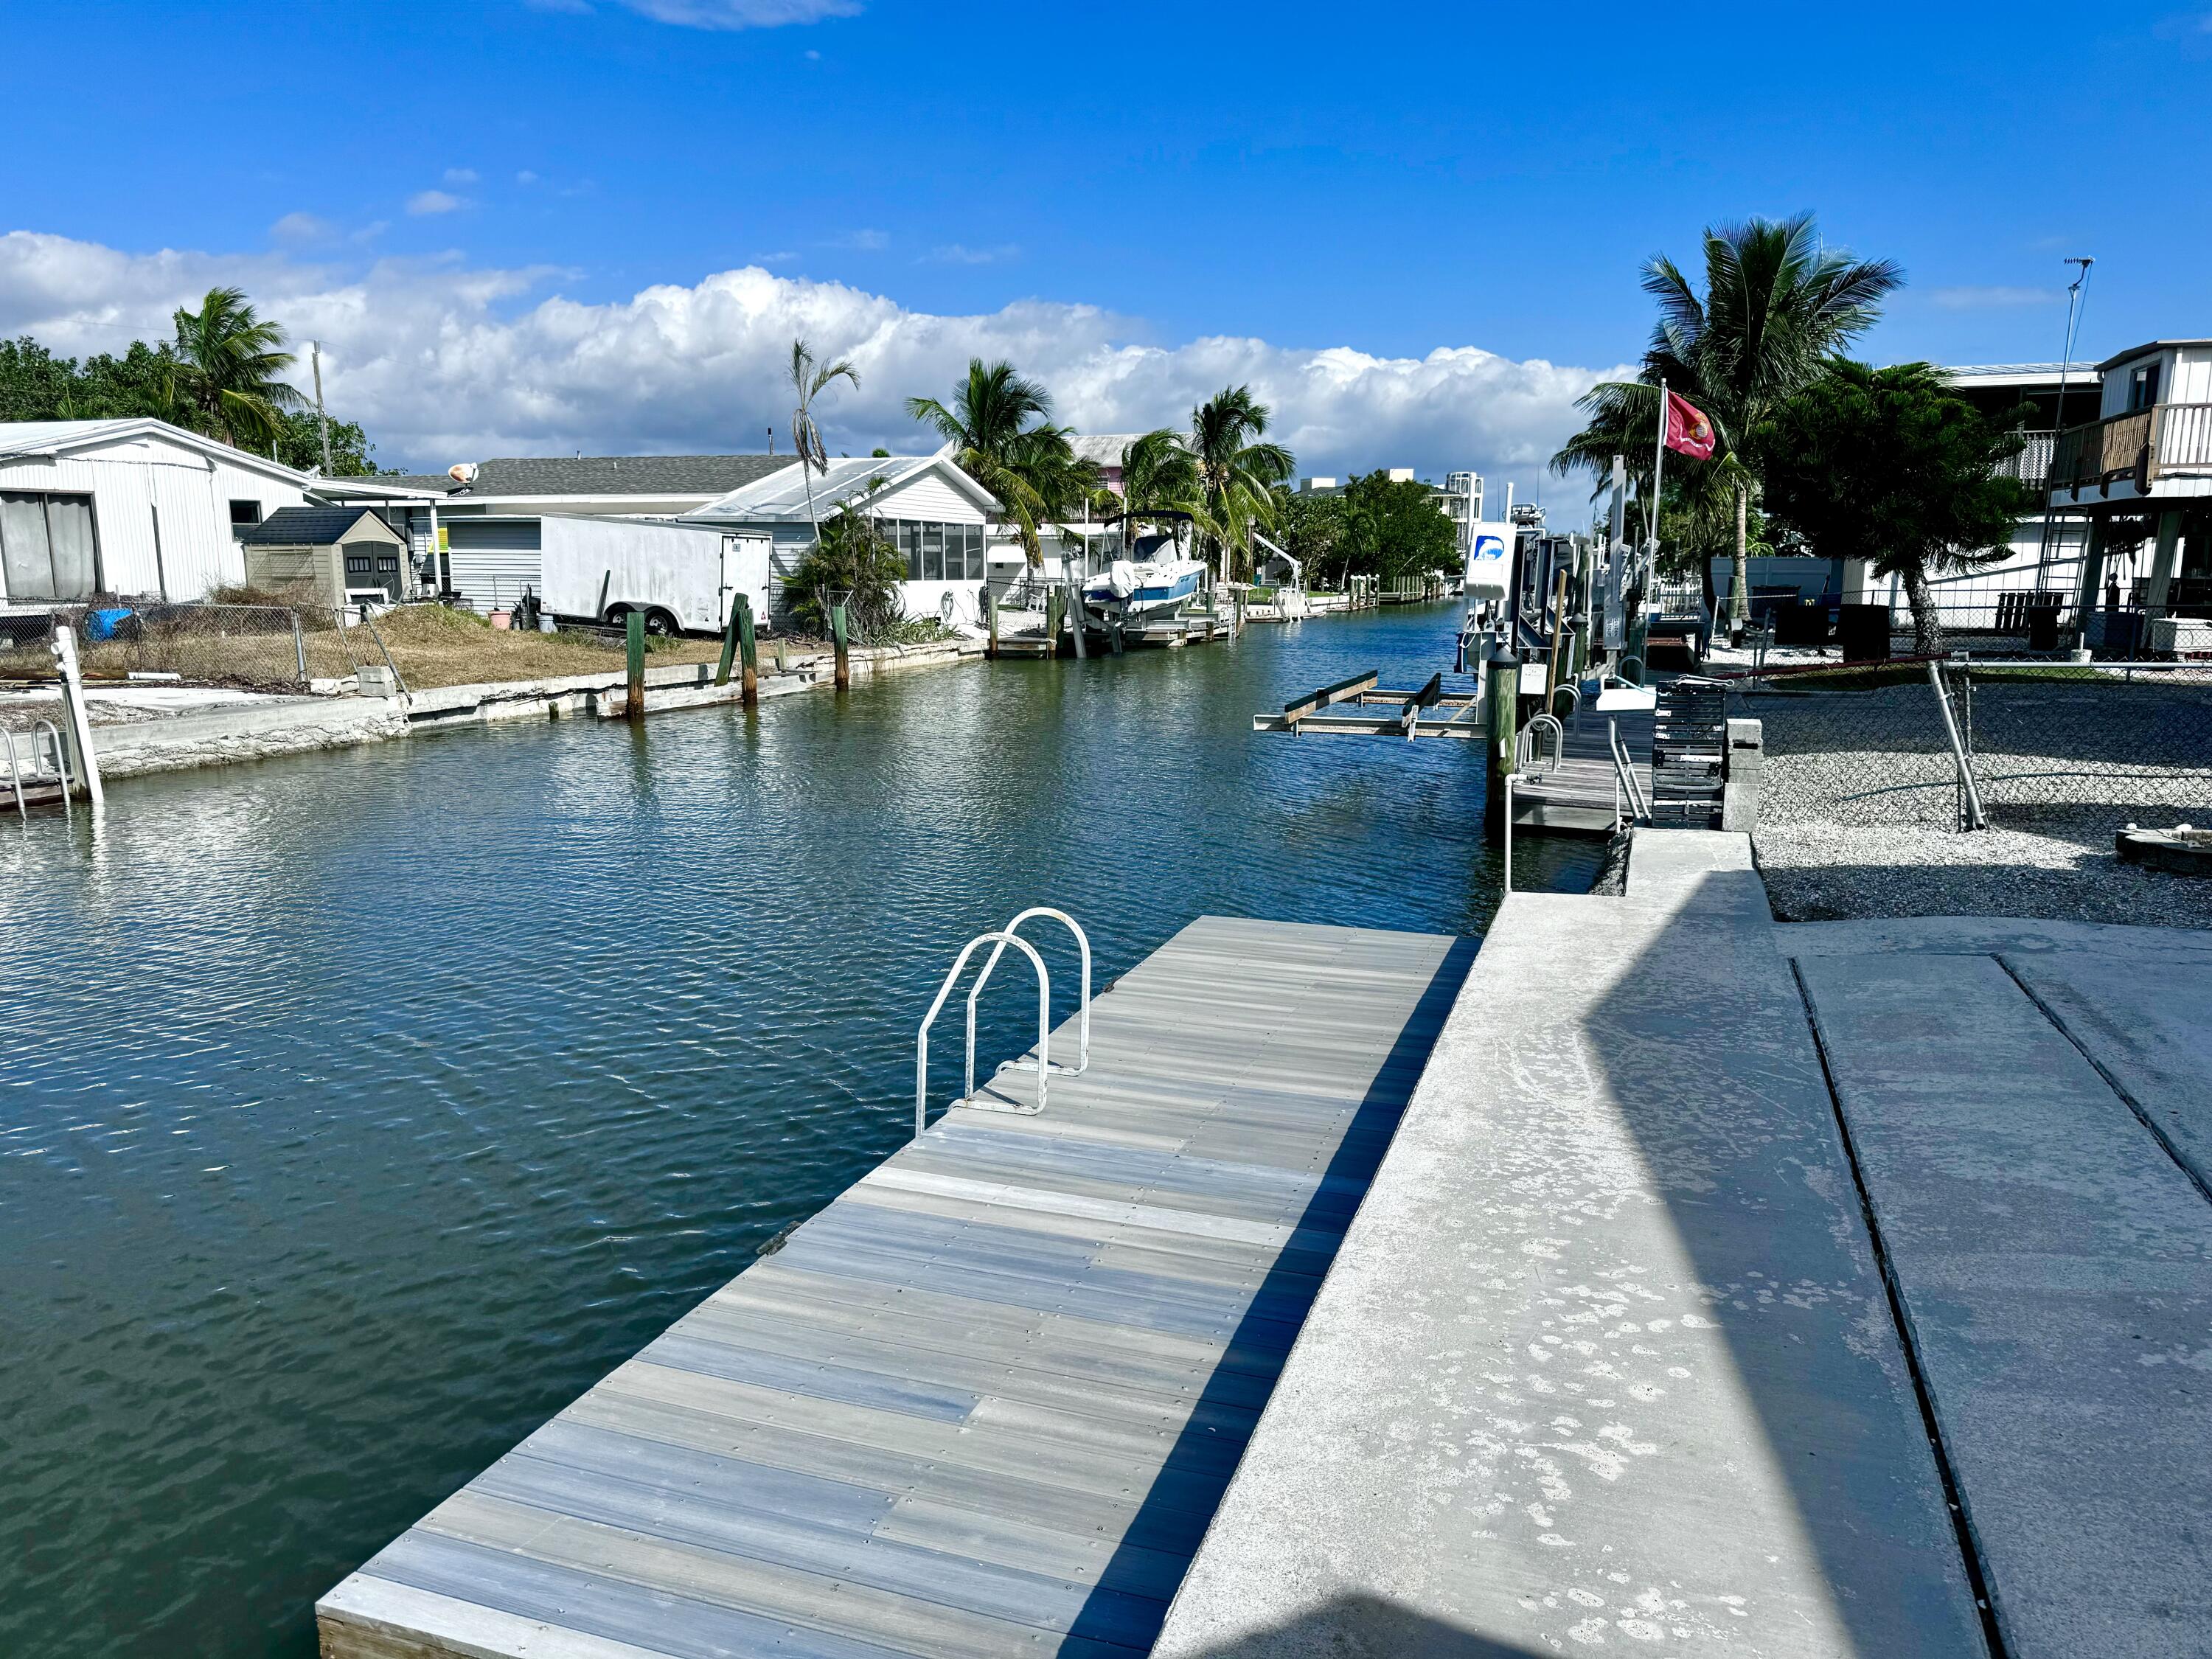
1502	673
841	643
634	694
748	655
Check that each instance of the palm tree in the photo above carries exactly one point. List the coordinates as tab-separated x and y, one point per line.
225	382
1777	306
1237	469
808	380
1000	425
1158	475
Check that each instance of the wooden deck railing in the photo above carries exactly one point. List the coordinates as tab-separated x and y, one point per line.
2145	443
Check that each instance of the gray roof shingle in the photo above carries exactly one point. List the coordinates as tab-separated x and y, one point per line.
303	526
604	475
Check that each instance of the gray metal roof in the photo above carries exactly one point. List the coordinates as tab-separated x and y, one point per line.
783	495
604	475
306	526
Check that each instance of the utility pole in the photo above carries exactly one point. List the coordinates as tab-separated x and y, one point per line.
322	421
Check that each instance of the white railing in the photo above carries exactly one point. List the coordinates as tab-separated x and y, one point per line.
1044	1027
1083	1042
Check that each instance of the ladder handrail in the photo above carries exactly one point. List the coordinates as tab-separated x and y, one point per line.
1623	771
16	777
61	760
1083	944
921	1037
1525	748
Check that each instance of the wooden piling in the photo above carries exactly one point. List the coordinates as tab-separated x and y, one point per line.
633	695
1053	603
748	655
729	643
1502	693
991	621
840	644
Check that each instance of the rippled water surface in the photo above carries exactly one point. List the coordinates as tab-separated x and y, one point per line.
357	1111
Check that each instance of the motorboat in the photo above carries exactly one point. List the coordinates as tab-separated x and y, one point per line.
1133	591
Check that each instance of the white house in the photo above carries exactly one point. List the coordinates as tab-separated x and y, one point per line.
485	518
940	520
134	508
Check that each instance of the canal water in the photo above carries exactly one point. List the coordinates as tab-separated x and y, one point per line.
358	1110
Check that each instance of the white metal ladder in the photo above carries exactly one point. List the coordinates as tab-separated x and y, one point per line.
1043	1065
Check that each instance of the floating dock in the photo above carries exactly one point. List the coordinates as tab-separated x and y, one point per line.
986	1401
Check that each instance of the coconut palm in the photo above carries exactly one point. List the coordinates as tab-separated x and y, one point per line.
1237	469
1777	306
226	379
1000	425
1158	475
808	380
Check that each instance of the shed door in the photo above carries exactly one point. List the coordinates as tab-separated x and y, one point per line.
372	564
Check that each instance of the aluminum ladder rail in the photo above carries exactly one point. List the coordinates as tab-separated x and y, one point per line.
1624	776
1044	1028
1083	944
1525	757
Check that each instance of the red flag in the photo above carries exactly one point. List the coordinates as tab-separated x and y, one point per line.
1688	431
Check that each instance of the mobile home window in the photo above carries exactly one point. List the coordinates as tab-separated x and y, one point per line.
2143	387
938	552
243	513
48	546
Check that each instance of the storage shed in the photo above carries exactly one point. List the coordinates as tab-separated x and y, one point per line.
345	554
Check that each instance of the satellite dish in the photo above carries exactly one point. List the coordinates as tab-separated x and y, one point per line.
463	473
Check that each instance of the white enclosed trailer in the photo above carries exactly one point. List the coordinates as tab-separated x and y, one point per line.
684	577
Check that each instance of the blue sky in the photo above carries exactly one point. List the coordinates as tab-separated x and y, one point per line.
1387	181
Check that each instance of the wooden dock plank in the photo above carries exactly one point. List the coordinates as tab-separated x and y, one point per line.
986	1402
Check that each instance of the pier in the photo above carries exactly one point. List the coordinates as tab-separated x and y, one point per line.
986	1402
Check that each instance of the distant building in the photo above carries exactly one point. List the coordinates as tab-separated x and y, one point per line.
1459	498
1104	450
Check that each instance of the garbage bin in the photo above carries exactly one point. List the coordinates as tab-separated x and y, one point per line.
1863	630
2043	627
1801	624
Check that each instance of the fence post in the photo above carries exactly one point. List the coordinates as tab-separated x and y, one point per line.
1974	814
842	678
633	695
300	646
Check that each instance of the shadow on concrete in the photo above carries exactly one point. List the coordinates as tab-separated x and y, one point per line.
1295	1279
1366	1628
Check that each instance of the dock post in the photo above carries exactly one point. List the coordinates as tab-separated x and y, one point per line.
1073	604
1502	690
1052	602
633	695
748	655
75	717
842	678
729	643
991	621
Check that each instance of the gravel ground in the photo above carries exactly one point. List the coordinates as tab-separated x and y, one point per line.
2063	870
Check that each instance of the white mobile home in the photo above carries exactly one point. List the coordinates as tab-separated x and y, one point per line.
133	507
939	518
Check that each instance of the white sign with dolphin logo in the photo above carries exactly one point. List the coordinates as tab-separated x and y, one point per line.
1489	561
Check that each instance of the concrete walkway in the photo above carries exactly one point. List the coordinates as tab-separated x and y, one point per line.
2033	1119
1485	1443
1605	1359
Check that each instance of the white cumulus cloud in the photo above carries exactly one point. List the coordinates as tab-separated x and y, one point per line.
433	201
442	362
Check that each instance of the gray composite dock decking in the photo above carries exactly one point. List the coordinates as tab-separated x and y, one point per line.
986	1402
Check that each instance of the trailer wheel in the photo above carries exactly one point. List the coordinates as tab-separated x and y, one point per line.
661	623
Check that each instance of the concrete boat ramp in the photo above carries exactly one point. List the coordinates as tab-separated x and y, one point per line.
1677	1282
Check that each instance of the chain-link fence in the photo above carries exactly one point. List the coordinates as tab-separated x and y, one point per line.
2044	747
251	647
